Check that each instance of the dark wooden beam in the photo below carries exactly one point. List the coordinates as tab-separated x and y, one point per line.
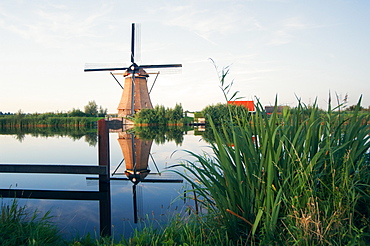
52	194
60	169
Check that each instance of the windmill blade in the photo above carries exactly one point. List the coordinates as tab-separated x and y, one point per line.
133	43
137	43
105	69
91	67
164	71
160	66
134	199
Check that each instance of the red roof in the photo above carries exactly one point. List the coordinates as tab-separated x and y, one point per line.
248	104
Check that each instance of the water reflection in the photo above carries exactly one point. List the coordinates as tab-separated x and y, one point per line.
102	195
136	153
158	134
133	168
163	133
74	133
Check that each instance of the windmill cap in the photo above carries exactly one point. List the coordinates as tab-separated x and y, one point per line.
140	73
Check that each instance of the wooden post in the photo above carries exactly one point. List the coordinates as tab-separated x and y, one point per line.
104	184
103	149
105	213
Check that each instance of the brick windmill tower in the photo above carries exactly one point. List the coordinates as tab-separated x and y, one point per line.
135	95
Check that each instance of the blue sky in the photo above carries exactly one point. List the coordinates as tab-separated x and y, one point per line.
280	48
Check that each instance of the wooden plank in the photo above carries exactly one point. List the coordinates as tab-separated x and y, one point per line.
52	194
159	180
60	169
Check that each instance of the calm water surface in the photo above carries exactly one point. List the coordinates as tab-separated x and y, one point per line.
156	202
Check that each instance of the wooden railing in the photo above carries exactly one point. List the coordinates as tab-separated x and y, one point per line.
102	169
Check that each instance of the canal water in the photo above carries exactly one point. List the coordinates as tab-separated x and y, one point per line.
131	204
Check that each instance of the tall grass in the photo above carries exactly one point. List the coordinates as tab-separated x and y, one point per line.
301	177
190	230
181	231
18	227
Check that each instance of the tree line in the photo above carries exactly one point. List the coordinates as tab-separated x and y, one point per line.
72	118
90	110
160	115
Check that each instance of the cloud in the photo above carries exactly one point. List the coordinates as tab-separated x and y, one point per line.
209	22
52	26
285	31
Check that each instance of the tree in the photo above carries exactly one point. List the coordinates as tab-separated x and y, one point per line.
160	112
146	116
217	112
177	113
76	113
20	114
353	107
102	112
91	109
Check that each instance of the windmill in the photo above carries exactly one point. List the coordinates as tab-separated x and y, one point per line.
135	95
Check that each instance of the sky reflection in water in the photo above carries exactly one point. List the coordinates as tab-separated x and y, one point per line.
156	201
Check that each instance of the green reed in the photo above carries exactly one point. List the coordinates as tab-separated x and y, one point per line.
299	177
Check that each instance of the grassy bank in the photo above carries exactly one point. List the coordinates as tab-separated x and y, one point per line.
20	227
33	121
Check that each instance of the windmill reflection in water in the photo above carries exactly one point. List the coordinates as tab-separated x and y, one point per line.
136	154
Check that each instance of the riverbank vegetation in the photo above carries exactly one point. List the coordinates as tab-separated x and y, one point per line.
219	113
88	118
44	120
160	115
162	133
72	118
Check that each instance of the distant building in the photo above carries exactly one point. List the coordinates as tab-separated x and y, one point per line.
248	104
270	109
199	118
